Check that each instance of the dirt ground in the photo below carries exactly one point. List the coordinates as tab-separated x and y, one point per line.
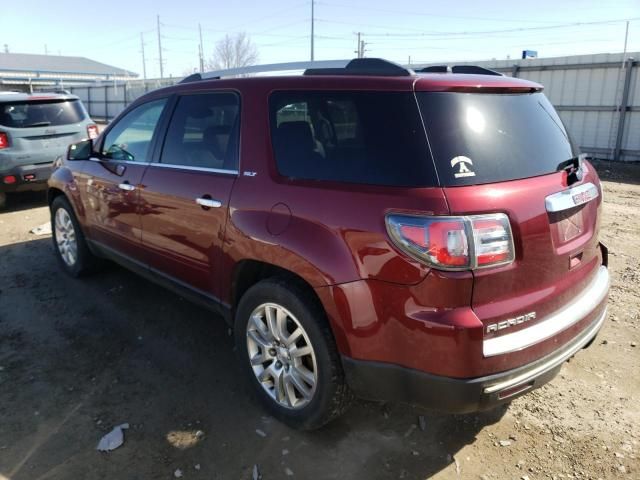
79	357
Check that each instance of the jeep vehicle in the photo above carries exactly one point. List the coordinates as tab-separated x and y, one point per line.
34	131
366	230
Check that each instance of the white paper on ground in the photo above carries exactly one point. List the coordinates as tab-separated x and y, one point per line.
44	229
113	439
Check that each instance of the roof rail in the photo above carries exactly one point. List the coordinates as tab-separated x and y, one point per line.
357	66
464	69
364	66
435	69
273	67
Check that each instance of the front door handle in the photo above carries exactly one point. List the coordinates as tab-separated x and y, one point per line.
208	202
127	187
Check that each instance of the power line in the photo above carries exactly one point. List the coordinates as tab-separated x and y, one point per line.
287	41
271	29
509	30
277	13
368	25
523	36
131	38
423	14
465	48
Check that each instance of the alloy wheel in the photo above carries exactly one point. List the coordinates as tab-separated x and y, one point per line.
281	355
66	237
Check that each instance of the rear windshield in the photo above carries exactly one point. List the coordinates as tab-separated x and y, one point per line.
484	138
374	138
41	113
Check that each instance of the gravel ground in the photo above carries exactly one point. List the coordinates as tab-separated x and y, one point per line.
79	357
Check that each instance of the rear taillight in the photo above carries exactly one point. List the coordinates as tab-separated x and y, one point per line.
4	140
92	131
492	240
454	243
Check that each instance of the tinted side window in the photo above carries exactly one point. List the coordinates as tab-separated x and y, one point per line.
131	137
203	132
374	138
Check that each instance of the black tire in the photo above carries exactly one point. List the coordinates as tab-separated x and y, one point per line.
85	261
3	200
332	396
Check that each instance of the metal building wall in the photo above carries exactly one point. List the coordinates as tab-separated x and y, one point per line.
104	101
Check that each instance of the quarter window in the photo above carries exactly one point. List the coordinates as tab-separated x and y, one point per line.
374	138
203	132
130	138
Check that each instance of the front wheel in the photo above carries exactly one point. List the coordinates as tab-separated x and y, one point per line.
288	351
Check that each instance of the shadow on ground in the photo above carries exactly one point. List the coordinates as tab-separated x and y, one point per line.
17	202
622	172
80	356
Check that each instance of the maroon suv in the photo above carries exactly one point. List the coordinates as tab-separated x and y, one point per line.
425	237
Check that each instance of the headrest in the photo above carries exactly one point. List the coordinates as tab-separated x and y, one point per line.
296	134
211	134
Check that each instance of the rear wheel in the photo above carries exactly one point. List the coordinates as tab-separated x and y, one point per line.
68	240
288	351
3	200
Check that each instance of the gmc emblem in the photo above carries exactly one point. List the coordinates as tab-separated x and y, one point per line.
494	327
583	197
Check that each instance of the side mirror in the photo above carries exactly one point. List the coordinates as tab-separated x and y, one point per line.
81	150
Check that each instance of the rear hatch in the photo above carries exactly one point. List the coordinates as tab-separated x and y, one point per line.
40	128
508	152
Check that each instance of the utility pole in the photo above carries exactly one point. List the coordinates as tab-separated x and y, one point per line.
362	50
312	26
361	44
624	51
6	48
144	61
160	48
201	50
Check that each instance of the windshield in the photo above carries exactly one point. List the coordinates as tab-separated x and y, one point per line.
484	138
41	113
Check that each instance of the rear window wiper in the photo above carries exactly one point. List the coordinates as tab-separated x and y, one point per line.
37	124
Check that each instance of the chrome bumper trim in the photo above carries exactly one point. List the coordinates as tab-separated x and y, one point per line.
571	198
558	321
578	343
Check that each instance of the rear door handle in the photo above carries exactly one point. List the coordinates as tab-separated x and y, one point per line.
127	187
208	202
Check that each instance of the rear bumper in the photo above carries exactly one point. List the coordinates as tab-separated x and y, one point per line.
28	177
383	381
572	313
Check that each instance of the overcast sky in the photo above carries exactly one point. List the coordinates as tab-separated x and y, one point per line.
109	31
